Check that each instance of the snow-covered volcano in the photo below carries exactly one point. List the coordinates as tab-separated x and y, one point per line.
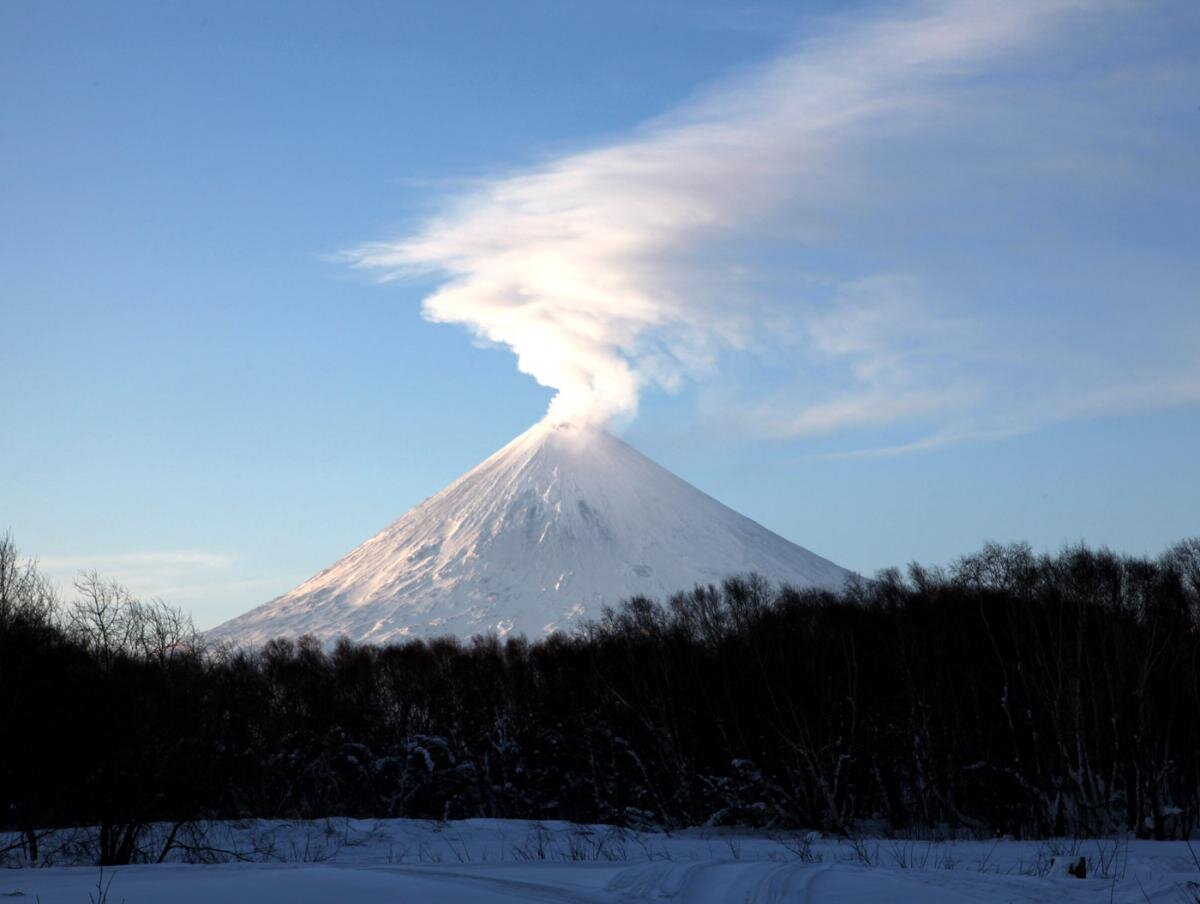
560	522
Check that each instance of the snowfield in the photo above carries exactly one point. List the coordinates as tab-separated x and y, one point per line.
490	861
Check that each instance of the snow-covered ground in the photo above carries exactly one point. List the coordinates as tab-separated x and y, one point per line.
492	861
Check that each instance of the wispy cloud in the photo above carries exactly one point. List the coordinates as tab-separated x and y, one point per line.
626	266
940	440
170	574
137	561
216	583
872	408
1023	419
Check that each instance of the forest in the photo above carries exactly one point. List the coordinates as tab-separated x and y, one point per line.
1009	693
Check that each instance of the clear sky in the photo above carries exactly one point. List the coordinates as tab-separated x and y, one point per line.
891	279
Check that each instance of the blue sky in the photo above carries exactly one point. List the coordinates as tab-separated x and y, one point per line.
892	279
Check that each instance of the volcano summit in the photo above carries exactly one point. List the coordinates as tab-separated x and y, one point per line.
539	537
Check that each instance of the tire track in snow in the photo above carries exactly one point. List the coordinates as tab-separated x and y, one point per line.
725	882
520	889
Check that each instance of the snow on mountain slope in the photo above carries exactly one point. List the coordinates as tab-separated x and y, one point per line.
560	522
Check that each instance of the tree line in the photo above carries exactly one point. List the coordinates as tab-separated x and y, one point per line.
1010	693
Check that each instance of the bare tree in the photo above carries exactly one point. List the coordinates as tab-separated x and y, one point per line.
111	621
24	592
28	611
102	617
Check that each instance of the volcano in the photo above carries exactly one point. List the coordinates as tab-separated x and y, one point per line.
539	537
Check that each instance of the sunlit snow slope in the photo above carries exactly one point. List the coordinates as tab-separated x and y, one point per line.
560	522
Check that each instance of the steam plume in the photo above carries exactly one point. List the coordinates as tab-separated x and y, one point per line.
584	266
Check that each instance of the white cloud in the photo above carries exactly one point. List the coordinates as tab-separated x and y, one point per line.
583	266
216	585
169	574
867	409
630	265
137	561
934	441
1022	419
